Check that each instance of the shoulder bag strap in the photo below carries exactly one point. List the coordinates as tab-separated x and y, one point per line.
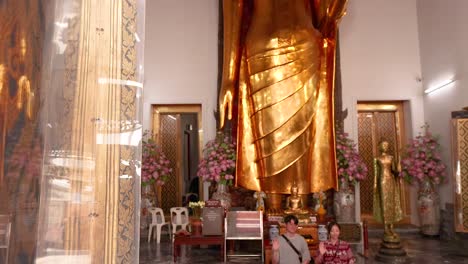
293	247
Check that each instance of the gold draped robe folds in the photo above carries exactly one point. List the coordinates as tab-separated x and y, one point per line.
281	70
387	203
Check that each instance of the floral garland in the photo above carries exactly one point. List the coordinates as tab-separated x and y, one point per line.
422	159
219	162
155	167
351	167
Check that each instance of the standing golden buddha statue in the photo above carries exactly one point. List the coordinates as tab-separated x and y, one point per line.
279	70
387	202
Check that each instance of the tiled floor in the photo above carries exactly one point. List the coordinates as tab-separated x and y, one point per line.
419	249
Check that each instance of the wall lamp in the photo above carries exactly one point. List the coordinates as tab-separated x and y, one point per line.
443	85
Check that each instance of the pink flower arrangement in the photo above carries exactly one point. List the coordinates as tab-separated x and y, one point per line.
422	159
219	160
155	166
351	167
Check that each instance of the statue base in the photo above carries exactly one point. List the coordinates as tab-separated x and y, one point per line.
278	216
391	251
303	218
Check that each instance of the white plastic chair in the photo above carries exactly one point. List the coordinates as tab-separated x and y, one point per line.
158	221
179	217
5	231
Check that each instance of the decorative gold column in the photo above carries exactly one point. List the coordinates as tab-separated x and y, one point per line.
460	168
95	148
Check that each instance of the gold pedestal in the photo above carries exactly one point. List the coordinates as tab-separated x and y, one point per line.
303	218
391	251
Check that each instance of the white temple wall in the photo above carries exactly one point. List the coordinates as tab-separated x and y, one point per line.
181	57
380	61
443	41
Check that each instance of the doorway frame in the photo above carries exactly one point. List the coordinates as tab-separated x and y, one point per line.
397	106
157	110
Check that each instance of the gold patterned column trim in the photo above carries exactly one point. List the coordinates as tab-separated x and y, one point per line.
128	228
460	172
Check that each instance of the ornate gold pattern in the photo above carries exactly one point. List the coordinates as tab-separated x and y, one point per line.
128	224
158	111
379	121
92	109
351	233
386	130
464	169
460	172
168	141
100	215
366	150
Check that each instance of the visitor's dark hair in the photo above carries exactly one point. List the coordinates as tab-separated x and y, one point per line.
290	217
331	224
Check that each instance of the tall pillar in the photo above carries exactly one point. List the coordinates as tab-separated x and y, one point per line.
93	85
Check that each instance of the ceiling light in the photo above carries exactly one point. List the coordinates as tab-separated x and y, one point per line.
435	88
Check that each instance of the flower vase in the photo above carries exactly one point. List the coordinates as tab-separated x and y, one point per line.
273	232
196	224
222	194
428	209
322	233
344	203
153	195
145	218
196	212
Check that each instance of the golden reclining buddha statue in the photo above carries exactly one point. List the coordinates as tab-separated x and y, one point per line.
278	82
